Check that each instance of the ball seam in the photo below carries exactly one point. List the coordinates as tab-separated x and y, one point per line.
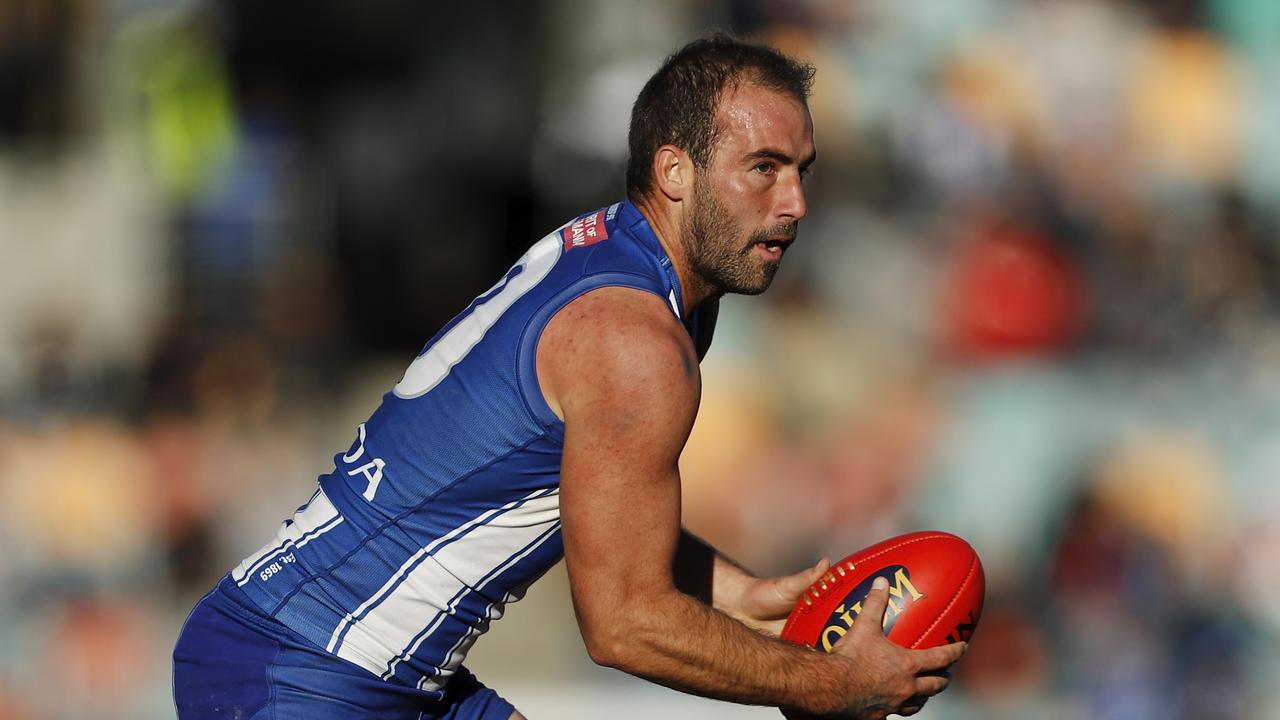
933	536
950	603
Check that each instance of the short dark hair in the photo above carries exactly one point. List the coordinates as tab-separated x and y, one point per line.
678	104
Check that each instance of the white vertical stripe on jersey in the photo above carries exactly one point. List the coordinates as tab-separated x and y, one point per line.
312	520
453	659
375	640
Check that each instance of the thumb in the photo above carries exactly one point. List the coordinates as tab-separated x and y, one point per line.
774	598
874	606
793	586
805	578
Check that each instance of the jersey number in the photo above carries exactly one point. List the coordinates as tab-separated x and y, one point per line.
434	365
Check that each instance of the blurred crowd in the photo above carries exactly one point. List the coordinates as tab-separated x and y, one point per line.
1036	303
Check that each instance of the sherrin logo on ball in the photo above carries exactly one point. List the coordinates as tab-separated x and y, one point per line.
936	589
901	593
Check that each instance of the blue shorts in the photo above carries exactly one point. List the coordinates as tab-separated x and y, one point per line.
231	662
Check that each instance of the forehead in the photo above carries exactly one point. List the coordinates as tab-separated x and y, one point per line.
750	118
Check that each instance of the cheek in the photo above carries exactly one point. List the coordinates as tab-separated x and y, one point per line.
744	200
743	184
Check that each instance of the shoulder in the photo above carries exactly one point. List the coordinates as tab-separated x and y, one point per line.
617	345
607	241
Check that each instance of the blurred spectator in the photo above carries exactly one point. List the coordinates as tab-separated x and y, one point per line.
1137	637
1011	293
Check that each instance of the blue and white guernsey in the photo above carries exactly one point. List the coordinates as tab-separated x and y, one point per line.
446	506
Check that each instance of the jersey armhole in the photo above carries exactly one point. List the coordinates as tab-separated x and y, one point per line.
527	352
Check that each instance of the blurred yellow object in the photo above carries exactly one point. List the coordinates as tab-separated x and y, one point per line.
188	116
1170	487
996	91
1186	108
77	494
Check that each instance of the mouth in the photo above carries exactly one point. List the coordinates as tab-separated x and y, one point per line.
775	247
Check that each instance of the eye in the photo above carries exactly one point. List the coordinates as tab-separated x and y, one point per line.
764	168
804	174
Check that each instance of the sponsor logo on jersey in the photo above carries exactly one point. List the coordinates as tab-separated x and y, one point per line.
586	230
901	595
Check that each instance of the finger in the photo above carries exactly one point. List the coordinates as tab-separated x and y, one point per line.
913	705
930	685
940	657
783	593
874	605
793	586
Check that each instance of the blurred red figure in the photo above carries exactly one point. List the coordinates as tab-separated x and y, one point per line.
1011	293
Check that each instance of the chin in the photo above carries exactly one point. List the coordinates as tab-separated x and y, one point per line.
754	288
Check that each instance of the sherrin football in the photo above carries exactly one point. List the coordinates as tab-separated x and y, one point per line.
936	587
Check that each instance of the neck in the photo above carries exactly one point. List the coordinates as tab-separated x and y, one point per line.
665	221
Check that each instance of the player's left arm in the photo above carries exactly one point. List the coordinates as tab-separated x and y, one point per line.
701	571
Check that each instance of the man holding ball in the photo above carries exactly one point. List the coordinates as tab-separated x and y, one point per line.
547	419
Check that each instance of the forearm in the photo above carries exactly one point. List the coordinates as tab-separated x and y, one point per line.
674	640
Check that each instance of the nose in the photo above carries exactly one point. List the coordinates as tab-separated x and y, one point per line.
791	204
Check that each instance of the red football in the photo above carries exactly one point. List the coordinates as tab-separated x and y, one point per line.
936	588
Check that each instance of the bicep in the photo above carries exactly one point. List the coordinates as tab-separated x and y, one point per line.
628	387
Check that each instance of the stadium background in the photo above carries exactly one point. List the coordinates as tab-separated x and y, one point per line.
1035	304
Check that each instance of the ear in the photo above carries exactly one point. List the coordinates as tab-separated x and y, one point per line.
673	172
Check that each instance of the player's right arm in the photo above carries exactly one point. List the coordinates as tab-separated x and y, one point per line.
623	374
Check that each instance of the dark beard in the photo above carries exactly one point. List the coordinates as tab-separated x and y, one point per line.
709	235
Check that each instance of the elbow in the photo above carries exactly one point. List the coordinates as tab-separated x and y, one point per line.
623	627
607	645
617	638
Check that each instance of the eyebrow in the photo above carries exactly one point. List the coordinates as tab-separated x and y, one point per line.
771	154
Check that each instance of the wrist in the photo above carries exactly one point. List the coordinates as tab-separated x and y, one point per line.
730	584
826	683
701	572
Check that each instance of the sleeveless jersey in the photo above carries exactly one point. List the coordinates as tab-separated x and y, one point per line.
446	506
